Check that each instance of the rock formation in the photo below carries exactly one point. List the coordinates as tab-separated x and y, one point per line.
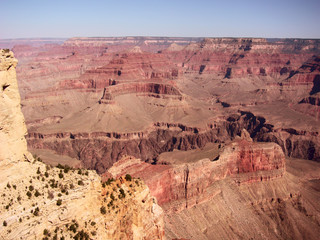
13	128
241	191
42	202
188	183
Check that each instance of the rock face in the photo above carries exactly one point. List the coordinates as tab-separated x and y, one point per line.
150	89
12	126
244	192
179	186
39	201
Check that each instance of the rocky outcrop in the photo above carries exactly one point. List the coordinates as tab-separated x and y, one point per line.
295	143
179	186
12	126
39	201
151	89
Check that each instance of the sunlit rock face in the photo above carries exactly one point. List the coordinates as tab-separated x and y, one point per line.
12	125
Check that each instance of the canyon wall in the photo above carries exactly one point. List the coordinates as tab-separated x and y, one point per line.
40	201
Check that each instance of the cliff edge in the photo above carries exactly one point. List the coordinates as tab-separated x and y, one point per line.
12	126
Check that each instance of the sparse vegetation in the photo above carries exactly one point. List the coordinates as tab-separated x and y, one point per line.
29	194
109	181
4	223
112	197
103	210
59	202
46	232
36	211
122	193
128	177
37	194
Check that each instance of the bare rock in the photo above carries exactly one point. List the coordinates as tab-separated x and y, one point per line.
12	126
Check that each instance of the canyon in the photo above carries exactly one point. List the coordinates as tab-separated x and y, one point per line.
39	201
223	131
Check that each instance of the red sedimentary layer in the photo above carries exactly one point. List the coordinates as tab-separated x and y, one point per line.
126	66
142	87
187	184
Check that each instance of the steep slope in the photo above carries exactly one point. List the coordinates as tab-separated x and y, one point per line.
12	126
38	201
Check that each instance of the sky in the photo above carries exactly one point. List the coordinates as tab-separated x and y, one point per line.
175	18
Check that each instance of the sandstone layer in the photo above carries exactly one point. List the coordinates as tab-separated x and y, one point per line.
12	129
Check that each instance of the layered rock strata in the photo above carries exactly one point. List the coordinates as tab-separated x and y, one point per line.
39	201
149	89
179	186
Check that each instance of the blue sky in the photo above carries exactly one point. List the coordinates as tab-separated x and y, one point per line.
197	18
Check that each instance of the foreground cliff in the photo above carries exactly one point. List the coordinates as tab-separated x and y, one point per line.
12	126
41	202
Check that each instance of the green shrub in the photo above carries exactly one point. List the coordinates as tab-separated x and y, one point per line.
122	194
109	181
36	211
59	202
29	194
4	223
37	194
46	232
128	177
103	210
111	196
60	166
